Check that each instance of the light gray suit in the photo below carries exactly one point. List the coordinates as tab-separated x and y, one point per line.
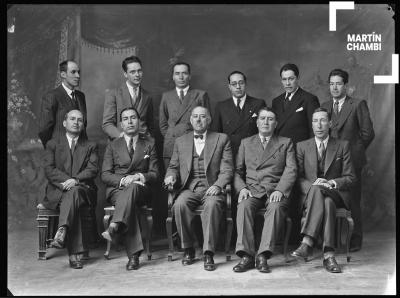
262	172
218	168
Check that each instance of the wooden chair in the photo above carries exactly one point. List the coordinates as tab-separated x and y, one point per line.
146	221
228	218
261	212
341	215
48	223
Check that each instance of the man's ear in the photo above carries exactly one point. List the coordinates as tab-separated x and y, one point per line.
65	123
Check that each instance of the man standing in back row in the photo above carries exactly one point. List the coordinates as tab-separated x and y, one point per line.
351	122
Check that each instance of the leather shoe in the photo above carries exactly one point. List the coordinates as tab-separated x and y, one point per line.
209	262
133	263
59	238
261	264
246	263
188	256
303	251
75	262
331	265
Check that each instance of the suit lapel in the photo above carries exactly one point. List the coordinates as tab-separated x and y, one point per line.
271	148
185	105
138	155
140	101
247	113
209	148
296	101
122	149
331	149
344	112
125	96
66	153
78	156
188	154
311	157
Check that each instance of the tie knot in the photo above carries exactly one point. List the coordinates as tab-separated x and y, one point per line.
198	137
287	96
336	101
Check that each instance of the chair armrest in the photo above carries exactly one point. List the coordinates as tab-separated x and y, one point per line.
228	196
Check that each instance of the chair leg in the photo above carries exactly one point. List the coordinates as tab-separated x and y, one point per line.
229	226
149	219
43	225
339	233
349	233
106	222
169	235
287	236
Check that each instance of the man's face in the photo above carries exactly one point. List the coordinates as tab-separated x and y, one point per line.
266	123
181	76
134	73
200	119
237	85
289	80
71	77
74	122
130	123
337	87
321	124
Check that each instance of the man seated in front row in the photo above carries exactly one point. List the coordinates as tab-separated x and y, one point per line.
71	165
264	176
130	164
325	177
202	163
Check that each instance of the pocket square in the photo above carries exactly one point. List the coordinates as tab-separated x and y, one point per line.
299	109
146	156
254	115
338	158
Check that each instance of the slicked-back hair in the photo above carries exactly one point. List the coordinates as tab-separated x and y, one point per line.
290	66
129	60
126	109
236	72
70	110
63	66
341	73
180	63
322	110
267	109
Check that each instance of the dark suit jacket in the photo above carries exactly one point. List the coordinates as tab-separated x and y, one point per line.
217	159
264	171
354	125
338	166
295	123
118	99
118	164
55	104
237	126
57	165
175	117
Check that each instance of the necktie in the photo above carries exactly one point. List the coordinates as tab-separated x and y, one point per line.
181	95
264	142
130	147
74	101
73	143
336	106
321	150
198	137
134	96
238	105
286	101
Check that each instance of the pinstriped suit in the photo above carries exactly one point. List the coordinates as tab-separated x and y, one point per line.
55	104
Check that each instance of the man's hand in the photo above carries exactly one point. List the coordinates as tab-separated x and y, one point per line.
214	190
319	181
69	183
127	180
244	194
170	180
276	196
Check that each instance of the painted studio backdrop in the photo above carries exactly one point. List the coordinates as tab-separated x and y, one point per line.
215	40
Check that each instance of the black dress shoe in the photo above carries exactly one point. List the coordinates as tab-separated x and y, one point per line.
303	251
209	262
261	264
59	238
331	265
246	263
75	264
133	263
188	256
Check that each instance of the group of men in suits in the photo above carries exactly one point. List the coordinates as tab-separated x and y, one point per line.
258	149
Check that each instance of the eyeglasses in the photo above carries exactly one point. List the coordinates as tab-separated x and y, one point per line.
235	84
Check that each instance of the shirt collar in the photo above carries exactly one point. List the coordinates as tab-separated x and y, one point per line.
261	137
131	88
325	141
185	90
341	101
70	139
242	99
127	138
204	134
69	91
292	94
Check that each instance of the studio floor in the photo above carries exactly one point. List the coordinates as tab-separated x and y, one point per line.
370	271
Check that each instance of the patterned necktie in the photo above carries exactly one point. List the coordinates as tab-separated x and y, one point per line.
336	106
73	143
264	142
321	150
198	137
130	147
181	95
134	96
238	105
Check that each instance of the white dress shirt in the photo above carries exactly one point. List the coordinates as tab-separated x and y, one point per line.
341	102
134	141
70	140
69	91
185	91
291	94
242	100
325	141
133	91
199	143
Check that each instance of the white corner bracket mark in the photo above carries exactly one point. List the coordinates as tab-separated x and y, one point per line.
394	78
335	5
